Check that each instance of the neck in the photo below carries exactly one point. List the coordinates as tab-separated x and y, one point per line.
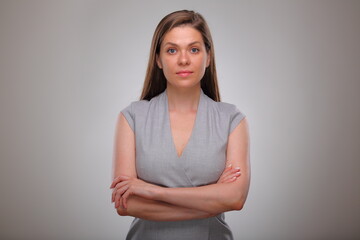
183	100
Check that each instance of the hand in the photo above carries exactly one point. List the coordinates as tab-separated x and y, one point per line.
230	174
124	186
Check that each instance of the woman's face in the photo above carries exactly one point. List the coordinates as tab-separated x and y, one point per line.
183	57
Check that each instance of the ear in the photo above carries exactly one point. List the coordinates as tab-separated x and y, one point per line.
158	61
208	59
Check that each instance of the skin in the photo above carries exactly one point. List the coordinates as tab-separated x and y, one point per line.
182	49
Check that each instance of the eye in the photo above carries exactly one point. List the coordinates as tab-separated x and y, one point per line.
171	50
194	50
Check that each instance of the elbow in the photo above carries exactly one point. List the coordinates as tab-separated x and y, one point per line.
122	211
238	206
226	206
238	203
231	203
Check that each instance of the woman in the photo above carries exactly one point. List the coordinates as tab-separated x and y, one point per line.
172	147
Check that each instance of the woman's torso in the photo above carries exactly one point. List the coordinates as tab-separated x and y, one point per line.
202	161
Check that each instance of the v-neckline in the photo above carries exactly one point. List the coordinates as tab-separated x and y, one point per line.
192	130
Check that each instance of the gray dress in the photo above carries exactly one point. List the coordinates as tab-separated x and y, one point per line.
201	163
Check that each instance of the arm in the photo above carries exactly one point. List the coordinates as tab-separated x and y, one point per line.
124	164
205	198
159	211
232	195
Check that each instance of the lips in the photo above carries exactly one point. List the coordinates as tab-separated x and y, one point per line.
184	73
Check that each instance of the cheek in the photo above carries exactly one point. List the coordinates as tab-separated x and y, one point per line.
163	62
165	69
203	64
167	65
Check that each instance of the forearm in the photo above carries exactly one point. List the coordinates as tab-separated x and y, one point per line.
159	211
212	198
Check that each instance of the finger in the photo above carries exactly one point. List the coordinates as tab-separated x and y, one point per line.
115	181
235	173
225	173
237	168
125	196
228	168
123	189
117	198
234	170
121	184
117	187
121	204
228	174
113	195
232	177
118	179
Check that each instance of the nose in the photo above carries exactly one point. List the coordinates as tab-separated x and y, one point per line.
184	58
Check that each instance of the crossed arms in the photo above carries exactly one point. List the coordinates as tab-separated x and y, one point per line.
137	198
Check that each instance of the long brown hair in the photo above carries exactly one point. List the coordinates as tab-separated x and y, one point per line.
155	81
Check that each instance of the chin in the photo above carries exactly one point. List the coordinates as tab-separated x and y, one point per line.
185	85
188	83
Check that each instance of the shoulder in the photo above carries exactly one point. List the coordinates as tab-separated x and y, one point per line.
228	112
227	108
136	106
131	112
224	108
139	109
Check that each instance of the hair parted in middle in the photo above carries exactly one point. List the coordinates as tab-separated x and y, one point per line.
155	81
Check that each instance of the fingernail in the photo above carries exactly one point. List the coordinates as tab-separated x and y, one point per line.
238	168
229	165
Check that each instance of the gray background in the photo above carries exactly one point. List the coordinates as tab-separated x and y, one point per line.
68	67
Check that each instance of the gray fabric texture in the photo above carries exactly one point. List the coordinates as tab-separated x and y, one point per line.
201	163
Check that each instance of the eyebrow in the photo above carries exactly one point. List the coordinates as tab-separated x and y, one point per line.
174	44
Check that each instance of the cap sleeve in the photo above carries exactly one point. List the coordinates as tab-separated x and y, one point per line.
235	118
129	115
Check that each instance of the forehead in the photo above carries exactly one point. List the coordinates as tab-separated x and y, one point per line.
182	35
